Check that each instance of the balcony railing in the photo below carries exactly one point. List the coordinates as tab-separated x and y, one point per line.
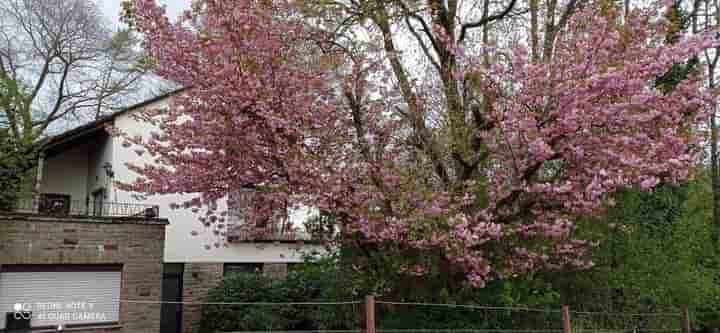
245	233
54	206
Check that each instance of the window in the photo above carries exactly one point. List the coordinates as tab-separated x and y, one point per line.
54	204
61	294
242	268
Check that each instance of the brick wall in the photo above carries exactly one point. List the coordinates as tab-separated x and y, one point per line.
198	279
275	270
136	244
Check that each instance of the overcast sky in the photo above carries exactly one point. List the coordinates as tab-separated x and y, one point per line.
111	9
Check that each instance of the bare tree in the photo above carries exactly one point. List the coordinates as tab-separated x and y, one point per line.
65	61
705	16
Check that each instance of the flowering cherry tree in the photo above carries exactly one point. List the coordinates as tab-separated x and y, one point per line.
480	152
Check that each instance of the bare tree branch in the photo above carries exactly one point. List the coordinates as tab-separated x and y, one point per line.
486	20
65	62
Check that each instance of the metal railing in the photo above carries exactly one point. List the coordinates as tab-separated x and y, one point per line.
53	206
243	233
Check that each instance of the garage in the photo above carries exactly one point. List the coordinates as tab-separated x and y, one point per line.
52	295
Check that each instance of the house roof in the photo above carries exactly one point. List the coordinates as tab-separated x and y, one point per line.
56	142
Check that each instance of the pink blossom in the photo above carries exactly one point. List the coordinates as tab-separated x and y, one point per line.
494	193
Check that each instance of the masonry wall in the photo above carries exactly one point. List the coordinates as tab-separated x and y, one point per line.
275	271
137	245
198	279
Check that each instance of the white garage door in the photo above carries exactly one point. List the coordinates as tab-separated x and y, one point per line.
62	297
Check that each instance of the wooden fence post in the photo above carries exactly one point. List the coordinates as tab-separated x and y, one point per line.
369	314
685	320
567	327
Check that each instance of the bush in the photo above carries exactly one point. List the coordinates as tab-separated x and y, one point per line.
326	281
306	285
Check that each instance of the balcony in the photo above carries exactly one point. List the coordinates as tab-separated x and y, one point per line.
243	233
62	206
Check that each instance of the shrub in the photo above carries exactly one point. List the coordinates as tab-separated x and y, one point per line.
307	285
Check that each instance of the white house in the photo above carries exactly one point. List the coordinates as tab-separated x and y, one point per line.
78	170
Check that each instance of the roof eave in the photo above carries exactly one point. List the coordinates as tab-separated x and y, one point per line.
92	127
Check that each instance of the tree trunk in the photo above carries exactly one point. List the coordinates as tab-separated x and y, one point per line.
626	9
534	30
550	29
714	172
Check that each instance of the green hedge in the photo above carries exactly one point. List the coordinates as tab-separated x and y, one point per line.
307	285
325	282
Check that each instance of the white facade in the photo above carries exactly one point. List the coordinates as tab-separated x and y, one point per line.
80	171
67	173
100	154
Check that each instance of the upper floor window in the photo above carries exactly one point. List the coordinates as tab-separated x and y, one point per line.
231	268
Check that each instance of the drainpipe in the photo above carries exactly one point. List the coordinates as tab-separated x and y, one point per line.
38	181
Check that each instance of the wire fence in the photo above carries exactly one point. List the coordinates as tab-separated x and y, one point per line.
627	322
371	316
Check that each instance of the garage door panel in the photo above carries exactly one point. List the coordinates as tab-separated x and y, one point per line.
62	297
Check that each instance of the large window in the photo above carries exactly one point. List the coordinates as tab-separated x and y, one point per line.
231	268
68	295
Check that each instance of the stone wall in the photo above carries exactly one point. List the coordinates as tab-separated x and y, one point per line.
136	244
275	270
198	279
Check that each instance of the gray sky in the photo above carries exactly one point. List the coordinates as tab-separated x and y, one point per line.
111	9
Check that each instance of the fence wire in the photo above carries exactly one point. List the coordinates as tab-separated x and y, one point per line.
300	331
279	317
413	317
240	303
409	317
626	322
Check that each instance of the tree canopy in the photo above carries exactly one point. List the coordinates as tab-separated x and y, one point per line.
437	129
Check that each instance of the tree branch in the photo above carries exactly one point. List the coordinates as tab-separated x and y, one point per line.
424	47
60	98
425	27
486	20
